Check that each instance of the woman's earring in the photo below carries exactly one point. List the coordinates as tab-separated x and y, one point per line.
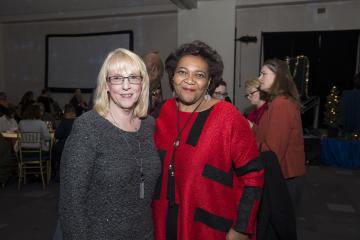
207	95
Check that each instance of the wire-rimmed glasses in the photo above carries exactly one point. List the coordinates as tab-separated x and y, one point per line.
119	80
220	95
251	93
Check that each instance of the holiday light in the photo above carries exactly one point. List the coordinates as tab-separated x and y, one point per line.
332	111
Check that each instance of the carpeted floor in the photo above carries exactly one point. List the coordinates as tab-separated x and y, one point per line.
331	208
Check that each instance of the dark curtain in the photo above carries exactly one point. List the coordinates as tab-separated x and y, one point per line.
332	56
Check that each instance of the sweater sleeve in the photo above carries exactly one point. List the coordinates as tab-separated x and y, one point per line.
281	118
249	169
76	169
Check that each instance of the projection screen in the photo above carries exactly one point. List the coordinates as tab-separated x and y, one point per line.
74	60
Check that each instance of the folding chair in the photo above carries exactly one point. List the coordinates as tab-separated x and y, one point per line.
32	159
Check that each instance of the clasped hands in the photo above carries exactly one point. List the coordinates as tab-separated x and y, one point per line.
234	235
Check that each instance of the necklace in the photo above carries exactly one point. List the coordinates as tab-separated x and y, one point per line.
171	176
139	163
118	125
179	131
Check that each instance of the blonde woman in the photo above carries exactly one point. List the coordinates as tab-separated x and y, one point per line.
109	166
257	98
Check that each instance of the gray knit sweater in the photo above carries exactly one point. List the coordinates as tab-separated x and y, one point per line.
100	179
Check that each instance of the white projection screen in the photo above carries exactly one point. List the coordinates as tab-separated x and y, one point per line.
74	60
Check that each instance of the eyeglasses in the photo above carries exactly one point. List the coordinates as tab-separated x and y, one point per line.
251	93
119	80
220	95
184	74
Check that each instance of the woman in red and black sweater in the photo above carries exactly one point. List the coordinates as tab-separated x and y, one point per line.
212	178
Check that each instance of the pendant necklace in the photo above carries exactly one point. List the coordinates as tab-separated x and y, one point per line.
117	124
171	177
139	163
179	131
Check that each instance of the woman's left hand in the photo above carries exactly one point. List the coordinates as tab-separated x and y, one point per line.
234	235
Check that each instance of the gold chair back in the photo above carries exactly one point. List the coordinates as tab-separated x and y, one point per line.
31	160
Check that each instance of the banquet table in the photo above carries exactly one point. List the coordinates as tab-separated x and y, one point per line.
340	153
13	135
8	134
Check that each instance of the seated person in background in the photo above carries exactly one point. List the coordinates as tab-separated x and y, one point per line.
221	93
49	119
90	103
5	105
3	101
65	126
61	134
256	98
7	121
46	100
26	100
31	123
6	162
78	102
52	109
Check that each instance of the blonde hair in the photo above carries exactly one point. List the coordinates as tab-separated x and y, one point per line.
121	60
253	83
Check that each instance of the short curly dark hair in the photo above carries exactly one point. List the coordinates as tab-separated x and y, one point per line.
197	48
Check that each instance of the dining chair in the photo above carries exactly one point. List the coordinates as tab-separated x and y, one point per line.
32	160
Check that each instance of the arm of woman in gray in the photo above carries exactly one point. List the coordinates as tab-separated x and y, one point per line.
75	175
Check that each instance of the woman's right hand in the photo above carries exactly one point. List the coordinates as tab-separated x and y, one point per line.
251	124
234	235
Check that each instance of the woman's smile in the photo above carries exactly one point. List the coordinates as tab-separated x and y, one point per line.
188	89
126	95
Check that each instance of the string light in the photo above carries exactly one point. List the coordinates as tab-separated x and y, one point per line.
332	109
